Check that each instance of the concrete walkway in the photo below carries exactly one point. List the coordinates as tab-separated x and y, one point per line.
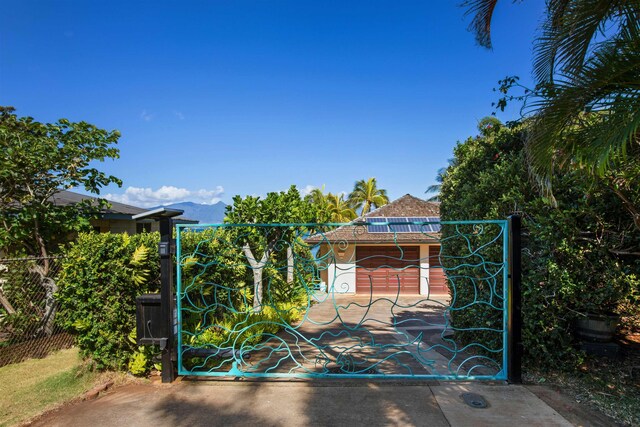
321	403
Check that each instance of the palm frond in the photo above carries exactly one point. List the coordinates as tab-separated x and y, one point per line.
366	194
571	29
595	110
482	11
340	209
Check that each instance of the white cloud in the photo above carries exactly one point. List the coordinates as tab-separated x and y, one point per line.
307	190
146	116
179	115
165	195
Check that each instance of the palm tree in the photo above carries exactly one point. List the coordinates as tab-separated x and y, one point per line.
586	108
366	194
339	208
317	197
440	177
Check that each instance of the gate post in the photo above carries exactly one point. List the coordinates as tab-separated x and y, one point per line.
166	296
514	304
167	344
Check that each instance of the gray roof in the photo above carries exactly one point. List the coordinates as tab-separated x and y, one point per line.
115	211
66	198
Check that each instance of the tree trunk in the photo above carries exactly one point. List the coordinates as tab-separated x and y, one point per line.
50	305
257	268
289	265
50	288
257	290
47	282
6	304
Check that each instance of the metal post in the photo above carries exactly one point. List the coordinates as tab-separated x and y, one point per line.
166	298
514	328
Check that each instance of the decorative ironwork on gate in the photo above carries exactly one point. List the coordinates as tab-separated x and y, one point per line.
307	300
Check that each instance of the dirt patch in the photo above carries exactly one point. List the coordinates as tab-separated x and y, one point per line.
608	385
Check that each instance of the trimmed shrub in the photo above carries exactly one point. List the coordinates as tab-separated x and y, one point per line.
101	277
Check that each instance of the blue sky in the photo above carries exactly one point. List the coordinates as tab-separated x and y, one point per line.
217	98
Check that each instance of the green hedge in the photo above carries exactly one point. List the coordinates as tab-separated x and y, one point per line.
571	252
101	277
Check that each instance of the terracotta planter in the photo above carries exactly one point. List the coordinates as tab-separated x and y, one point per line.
597	327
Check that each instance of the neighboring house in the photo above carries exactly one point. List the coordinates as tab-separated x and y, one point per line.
366	258
117	218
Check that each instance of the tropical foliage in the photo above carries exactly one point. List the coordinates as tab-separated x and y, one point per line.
434	189
367	195
102	274
341	210
334	207
37	160
586	105
260	244
243	282
359	202
583	256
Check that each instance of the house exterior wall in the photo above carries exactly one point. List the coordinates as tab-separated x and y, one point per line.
100	225
122	226
324	272
342	270
424	269
117	226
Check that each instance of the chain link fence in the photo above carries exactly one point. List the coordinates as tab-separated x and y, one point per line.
28	326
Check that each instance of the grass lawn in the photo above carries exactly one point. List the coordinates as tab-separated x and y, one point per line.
35	385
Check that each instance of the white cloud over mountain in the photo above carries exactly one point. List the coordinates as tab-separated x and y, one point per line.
167	194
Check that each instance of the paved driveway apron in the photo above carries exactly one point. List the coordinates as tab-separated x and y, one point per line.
312	403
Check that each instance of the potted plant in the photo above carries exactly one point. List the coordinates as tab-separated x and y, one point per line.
598	311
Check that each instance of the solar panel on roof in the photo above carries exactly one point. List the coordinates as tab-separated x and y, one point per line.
403	225
383	228
416	227
436	227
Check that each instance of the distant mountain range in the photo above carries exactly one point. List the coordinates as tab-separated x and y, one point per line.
206	214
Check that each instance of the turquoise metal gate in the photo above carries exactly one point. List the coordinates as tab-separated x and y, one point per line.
357	300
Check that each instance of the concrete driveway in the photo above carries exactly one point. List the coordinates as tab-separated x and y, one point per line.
322	403
397	329
336	402
357	334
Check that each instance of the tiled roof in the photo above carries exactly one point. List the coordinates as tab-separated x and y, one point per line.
405	206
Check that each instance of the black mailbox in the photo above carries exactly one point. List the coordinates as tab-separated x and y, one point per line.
151	328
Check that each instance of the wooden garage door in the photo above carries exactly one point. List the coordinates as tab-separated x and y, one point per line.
437	278
382	268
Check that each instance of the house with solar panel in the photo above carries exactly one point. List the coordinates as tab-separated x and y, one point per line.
387	251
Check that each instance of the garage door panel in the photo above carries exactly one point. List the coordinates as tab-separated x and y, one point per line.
384	269
437	277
